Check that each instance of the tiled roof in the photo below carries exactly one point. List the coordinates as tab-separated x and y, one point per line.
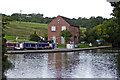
69	21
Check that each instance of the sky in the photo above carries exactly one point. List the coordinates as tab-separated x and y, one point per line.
53	8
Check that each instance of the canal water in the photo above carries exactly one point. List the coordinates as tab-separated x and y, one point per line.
99	63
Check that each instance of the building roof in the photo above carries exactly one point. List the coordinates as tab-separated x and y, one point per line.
69	21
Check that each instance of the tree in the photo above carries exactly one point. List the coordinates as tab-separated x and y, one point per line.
116	10
66	34
91	39
34	37
116	26
81	35
15	16
46	36
5	63
112	32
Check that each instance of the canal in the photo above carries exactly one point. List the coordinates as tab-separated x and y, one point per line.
99	63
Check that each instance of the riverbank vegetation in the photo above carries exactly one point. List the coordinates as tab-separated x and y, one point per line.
76	45
6	64
108	30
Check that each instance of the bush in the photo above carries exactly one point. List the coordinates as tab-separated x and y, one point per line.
61	45
34	37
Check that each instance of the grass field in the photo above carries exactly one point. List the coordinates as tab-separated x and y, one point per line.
80	45
31	24
14	37
25	29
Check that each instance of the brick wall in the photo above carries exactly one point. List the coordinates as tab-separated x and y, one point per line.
58	25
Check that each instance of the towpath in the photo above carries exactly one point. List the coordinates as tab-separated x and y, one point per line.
54	50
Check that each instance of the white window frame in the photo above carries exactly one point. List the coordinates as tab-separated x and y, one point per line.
53	28
63	28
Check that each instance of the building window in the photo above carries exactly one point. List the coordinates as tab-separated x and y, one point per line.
54	39
58	20
63	28
53	28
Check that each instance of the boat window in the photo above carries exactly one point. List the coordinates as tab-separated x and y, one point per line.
11	44
29	45
33	45
40	45
36	45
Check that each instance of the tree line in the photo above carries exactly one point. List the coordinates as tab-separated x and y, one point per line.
38	18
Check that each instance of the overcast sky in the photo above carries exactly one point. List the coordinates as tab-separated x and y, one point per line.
53	8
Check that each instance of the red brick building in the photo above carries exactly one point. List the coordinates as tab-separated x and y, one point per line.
59	24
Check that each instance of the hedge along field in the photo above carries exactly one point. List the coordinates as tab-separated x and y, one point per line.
25	29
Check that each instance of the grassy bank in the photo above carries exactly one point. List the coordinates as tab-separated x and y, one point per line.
14	37
80	45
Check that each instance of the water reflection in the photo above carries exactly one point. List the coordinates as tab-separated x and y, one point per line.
83	64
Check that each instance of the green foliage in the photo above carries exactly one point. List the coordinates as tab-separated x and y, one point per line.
36	18
34	37
15	16
108	31
27	41
5	22
83	45
46	36
89	23
91	39
101	32
14	37
116	27
91	35
5	63
113	31
116	10
66	34
82	34
80	45
61	45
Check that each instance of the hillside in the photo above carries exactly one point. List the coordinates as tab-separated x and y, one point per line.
25	29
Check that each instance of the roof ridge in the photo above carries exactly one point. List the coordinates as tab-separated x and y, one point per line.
68	20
